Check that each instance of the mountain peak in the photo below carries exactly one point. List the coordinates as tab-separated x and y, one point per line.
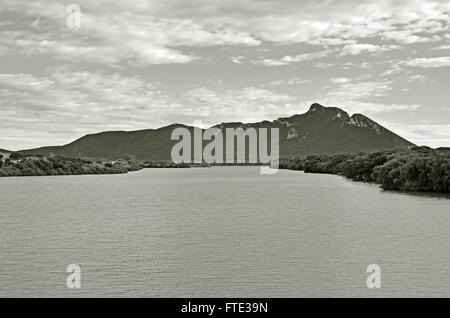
358	115
334	112
316	107
360	118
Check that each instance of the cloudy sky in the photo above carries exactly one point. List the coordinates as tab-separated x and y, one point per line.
144	64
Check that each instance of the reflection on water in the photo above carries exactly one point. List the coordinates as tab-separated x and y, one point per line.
219	232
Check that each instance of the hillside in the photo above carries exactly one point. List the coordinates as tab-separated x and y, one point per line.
321	130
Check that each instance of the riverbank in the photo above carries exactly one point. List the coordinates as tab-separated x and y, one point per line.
18	164
170	164
21	165
419	169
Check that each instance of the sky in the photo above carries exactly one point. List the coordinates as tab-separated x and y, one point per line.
132	65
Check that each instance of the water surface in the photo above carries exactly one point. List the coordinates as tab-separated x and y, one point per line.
219	232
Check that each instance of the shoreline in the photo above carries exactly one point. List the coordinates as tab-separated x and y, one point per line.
415	169
415	193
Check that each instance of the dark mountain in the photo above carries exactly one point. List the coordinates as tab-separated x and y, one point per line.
149	144
321	130
4	151
330	130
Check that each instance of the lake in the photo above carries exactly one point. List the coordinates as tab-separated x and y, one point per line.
219	232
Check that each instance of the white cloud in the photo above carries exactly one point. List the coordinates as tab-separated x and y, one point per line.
269	62
342	39
324	65
66	103
237	59
417	78
288	82
405	37
394	69
222	104
359	48
355	96
305	56
340	80
348	49
429	62
153	32
126	35
442	47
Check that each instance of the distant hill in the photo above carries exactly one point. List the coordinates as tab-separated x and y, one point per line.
149	144
4	151
321	130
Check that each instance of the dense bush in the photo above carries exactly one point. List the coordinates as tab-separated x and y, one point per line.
22	165
164	164
410	169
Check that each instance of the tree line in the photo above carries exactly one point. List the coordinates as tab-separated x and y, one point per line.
36	165
405	169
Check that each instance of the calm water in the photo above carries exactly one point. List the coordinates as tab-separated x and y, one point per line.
219	232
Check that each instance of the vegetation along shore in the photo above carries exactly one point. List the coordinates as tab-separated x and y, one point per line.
37	165
19	164
405	169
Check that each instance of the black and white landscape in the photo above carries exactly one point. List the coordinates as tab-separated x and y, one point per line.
350	98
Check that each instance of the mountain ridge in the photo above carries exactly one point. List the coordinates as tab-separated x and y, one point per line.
320	130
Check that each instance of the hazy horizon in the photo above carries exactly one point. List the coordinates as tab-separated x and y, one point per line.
159	127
